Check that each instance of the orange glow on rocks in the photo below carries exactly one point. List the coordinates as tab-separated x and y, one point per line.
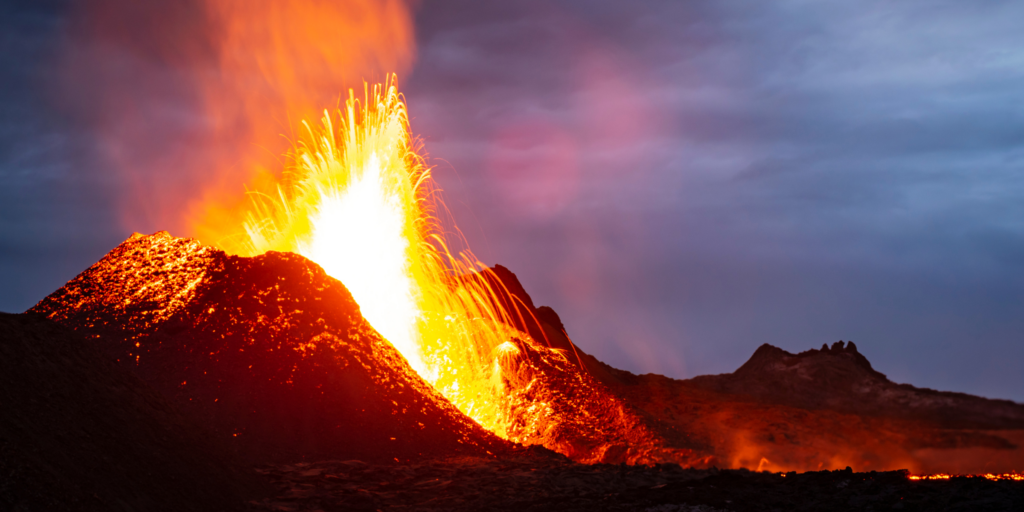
988	476
358	200
354	210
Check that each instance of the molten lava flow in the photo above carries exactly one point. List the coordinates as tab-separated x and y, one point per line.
990	476
369	255
350	205
360	202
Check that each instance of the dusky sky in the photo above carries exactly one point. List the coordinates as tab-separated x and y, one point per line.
681	181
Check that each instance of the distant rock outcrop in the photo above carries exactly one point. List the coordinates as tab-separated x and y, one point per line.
822	409
839	378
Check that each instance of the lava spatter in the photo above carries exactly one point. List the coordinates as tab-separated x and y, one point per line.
269	350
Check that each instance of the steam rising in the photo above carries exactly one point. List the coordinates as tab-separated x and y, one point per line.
192	98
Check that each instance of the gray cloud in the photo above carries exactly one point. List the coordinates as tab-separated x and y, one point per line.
682	181
810	172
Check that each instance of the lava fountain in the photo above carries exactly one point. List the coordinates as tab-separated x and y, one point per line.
358	199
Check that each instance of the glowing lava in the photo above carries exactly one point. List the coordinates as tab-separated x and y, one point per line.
359	201
351	207
990	476
370	254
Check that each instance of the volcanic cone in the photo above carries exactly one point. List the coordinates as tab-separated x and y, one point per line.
269	351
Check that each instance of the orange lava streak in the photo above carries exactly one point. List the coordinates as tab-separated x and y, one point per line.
991	476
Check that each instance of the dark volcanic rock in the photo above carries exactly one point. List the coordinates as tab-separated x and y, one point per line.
542	323
819	409
79	433
274	356
554	400
824	409
554	404
543	484
839	378
269	351
512	297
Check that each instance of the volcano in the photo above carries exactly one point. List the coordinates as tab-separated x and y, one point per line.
269	351
274	357
202	364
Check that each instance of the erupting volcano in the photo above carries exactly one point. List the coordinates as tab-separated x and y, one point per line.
347	274
339	335
359	201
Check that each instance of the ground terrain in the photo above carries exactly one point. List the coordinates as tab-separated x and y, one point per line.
545	483
172	376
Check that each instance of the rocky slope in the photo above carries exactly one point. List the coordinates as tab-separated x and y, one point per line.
819	409
269	352
826	409
554	401
274	355
839	378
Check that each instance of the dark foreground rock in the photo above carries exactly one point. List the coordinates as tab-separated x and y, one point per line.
79	433
546	483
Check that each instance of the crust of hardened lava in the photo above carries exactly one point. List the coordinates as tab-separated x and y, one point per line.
820	409
77	432
554	401
825	409
269	352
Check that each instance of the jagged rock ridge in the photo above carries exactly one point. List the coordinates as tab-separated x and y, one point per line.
840	378
817	409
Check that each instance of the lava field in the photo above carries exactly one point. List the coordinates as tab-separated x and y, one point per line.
172	376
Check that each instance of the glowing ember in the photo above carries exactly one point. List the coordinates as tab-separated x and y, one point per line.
360	202
369	255
990	476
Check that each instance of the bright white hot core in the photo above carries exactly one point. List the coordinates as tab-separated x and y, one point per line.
358	238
